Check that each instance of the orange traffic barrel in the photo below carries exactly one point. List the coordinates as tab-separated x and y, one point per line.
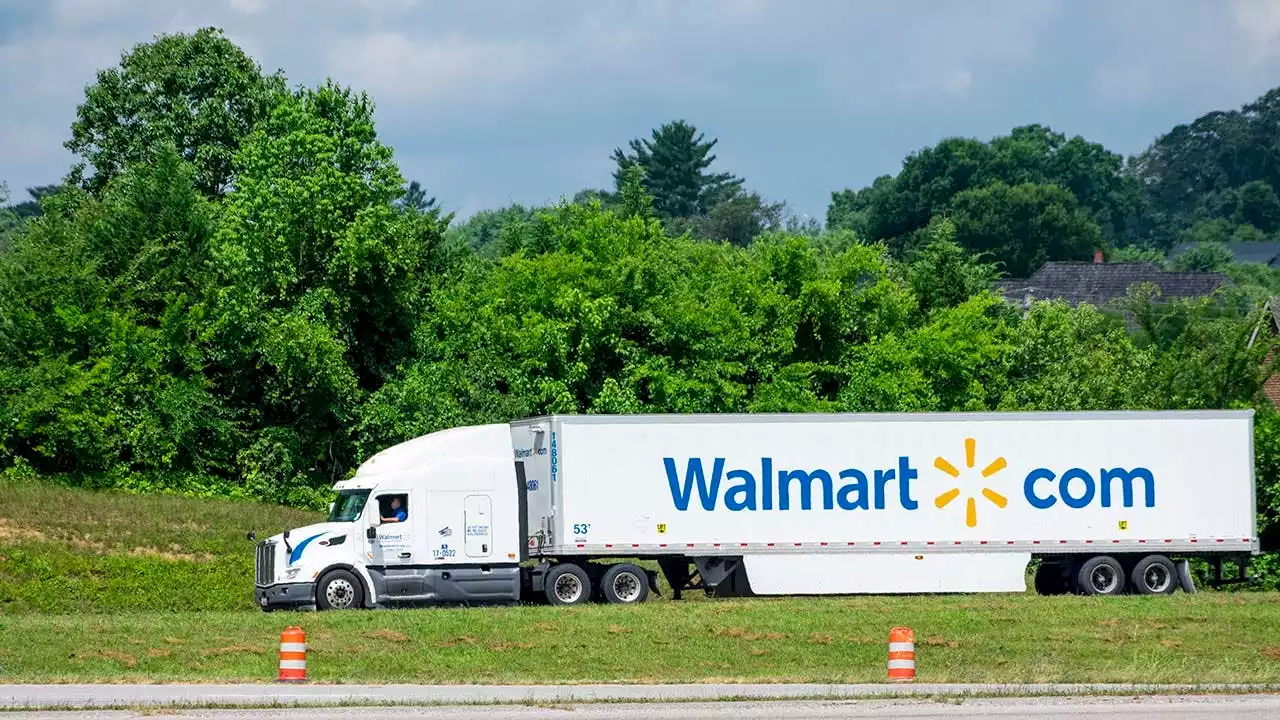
902	655
293	655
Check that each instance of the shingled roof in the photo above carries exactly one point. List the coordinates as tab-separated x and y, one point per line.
1255	253
1102	284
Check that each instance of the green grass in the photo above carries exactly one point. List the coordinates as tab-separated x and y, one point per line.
1207	638
107	587
75	551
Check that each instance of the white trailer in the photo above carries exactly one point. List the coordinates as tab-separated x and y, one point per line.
779	504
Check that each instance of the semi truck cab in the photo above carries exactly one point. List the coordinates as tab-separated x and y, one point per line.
460	540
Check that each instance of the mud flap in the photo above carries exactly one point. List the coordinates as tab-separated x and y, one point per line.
1185	581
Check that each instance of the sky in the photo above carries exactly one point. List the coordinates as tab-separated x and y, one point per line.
489	102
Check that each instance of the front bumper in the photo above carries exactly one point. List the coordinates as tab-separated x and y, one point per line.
286	595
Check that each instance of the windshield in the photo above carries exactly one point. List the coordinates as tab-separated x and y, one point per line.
348	506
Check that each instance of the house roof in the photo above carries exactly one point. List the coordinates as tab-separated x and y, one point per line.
1255	253
1102	283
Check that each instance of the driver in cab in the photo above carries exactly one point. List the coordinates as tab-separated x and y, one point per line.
398	514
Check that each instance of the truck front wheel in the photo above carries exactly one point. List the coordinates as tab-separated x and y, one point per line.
339	590
567	584
625	584
1154	575
1101	575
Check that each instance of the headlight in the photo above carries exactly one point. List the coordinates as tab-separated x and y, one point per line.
291	573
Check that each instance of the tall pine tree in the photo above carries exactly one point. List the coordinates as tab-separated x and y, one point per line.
675	161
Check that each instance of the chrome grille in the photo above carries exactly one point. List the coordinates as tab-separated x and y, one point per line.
265	563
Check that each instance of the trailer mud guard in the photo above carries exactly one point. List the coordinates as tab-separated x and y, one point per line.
1185	581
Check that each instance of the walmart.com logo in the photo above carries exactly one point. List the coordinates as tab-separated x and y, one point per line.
971	506
712	482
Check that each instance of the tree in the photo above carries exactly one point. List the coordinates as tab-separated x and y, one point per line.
1205	257
31	208
100	364
1258	206
738	219
415	198
894	209
633	199
1021	227
9	222
320	281
942	274
675	159
198	92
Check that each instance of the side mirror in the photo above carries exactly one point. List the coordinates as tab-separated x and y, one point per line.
251	536
372	532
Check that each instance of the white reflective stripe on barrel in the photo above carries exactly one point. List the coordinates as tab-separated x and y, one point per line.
293	664
902	647
293	647
902	664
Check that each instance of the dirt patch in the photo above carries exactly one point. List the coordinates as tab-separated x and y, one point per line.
173	641
10	532
1171	643
544	627
1271	652
170	555
460	640
940	642
388	635
1111	623
234	649
757	652
738	632
123	658
159	652
618	629
502	647
821	639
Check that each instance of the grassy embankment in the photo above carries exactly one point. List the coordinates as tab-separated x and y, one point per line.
89	581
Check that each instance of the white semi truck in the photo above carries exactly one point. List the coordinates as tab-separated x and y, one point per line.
558	509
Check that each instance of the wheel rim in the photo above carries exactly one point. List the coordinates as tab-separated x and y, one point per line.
340	594
568	588
626	587
1104	579
1157	578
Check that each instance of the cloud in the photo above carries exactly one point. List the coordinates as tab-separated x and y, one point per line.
452	68
1258	22
512	100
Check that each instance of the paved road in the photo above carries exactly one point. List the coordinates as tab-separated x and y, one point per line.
108	696
1159	708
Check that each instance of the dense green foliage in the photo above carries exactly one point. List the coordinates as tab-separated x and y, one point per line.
246	298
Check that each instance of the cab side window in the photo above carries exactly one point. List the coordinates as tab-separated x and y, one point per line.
393	508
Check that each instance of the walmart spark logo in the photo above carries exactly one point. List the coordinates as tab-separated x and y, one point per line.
971	506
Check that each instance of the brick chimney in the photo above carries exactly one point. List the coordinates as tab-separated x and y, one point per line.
1097	257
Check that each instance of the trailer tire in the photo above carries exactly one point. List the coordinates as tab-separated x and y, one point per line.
1154	575
1100	575
625	584
339	590
567	584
